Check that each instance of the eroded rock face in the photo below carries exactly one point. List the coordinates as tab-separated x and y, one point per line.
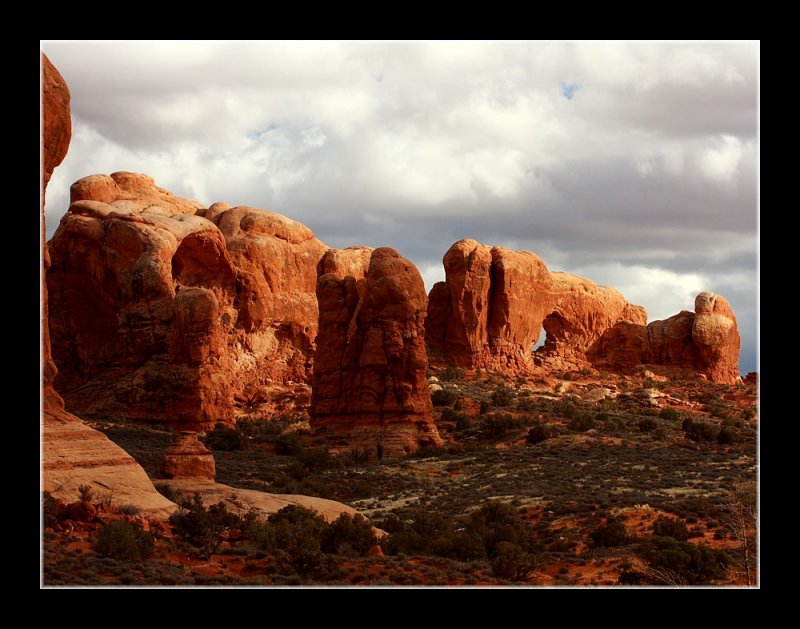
494	303
705	342
186	457
369	383
72	453
165	310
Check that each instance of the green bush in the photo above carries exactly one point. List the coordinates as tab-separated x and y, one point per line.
224	438
297	535
699	431
485	407
288	443
683	563
503	396
497	522
349	535
497	424
538	432
512	562
451	372
443	397
567	409
670	527
201	526
727	435
668	413
124	541
86	493
612	533
582	422
646	424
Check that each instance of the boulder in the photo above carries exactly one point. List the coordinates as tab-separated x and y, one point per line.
188	458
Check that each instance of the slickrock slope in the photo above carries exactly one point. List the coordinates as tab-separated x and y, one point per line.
369	384
706	342
164	310
492	307
72	453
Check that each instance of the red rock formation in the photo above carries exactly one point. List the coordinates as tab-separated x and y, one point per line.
491	309
704	342
369	384
72	453
188	458
580	312
168	311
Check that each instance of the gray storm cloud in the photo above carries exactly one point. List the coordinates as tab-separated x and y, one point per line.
641	175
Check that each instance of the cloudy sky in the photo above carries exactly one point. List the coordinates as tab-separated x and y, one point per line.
633	164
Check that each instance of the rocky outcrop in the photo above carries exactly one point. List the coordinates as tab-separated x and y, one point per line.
369	383
580	312
186	457
72	453
494	303
705	342
165	310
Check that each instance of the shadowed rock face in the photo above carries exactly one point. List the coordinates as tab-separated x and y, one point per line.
72	453
164	310
492	307
705	342
369	385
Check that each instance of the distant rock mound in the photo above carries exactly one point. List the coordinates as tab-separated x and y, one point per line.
369	384
705	341
494	303
165	310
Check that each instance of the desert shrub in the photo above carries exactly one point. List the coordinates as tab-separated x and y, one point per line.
502	396
567	409
224	438
612	533
538	432
699	431
727	435
443	397
673	562
124	541
288	443
526	403
201	526
582	422
457	545
512	562
497	522
485	407
668	413
49	509
129	509
670	527
296	535
85	493
167	491
613	425
358	455
497	424
349	535
316	459
452	372
458	405
646	424
748	414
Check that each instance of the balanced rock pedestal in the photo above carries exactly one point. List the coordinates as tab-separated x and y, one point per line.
188	458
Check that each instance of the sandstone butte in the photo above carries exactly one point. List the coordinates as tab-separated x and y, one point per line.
494	304
72	453
164	310
369	383
705	341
